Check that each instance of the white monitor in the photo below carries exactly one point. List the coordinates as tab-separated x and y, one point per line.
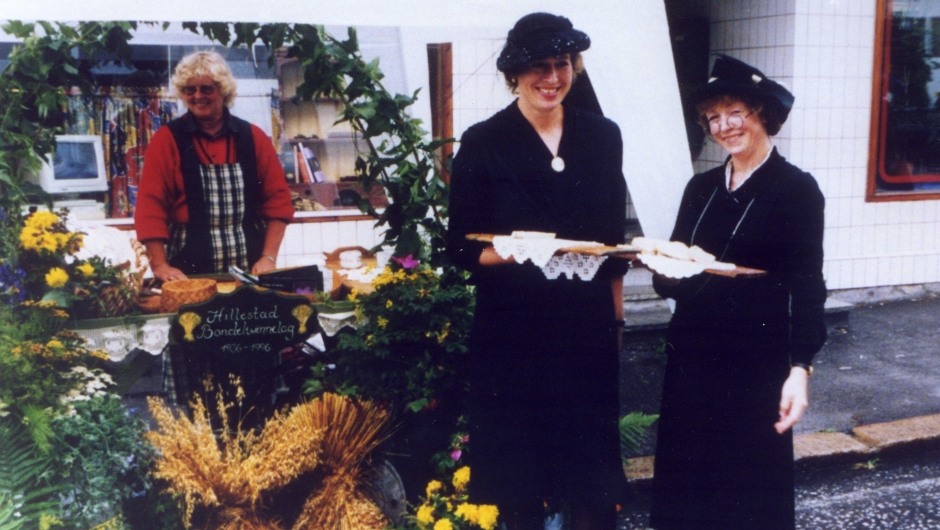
77	166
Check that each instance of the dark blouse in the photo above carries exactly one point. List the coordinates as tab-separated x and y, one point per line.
503	181
774	222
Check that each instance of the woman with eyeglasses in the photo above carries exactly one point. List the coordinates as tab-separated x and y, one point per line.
212	192
543	366
740	350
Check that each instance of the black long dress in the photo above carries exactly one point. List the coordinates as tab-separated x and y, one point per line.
719	462
544	367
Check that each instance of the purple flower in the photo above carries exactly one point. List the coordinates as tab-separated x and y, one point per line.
456	454
13	279
304	290
407	263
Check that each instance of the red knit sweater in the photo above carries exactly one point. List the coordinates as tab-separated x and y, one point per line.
161	197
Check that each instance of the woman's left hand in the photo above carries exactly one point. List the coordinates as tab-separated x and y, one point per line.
794	399
262	266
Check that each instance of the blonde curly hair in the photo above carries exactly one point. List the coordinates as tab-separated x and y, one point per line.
206	63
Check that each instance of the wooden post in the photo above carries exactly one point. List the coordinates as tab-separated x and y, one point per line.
441	73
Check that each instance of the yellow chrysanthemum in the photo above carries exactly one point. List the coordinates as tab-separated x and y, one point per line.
389	303
61	240
42	220
461	477
29	238
425	514
352	295
443	524
86	269
55	344
382	322
469	512
433	486
486	516
57	277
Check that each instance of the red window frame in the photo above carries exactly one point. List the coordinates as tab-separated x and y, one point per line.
877	159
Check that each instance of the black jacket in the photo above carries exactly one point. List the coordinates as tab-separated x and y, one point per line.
502	181
781	232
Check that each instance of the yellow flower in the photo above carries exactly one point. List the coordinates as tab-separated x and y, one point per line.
29	238
461	477
54	344
389	304
56	277
434	485
352	295
468	512
86	269
443	524
42	220
486	516
425	514
61	240
382	322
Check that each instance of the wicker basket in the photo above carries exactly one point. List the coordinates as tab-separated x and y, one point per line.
177	293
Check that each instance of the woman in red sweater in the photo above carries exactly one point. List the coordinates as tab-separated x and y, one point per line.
212	192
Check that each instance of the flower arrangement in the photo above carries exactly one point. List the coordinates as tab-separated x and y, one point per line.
48	271
446	507
410	343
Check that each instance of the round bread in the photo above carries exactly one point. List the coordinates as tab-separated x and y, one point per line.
177	293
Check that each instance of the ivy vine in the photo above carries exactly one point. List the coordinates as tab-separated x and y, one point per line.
51	58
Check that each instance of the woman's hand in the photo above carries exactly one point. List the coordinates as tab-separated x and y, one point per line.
490	257
165	273
793	399
262	266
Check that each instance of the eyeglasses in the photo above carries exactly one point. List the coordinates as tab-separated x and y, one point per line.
205	90
735	120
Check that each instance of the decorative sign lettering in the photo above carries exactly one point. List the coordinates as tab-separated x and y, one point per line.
240	334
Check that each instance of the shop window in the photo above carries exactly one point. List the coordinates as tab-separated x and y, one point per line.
905	144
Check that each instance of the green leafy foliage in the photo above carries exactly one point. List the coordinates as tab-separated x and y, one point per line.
410	345
634	429
51	59
23	498
102	460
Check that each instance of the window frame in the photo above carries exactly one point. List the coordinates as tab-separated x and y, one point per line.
879	108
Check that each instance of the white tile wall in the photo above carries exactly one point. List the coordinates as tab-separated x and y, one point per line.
307	243
823	50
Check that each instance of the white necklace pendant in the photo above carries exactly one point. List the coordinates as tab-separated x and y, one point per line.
558	164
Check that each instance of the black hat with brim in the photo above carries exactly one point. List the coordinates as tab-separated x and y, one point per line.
537	36
733	77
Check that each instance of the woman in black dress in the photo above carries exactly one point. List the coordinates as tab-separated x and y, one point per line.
544	368
740	349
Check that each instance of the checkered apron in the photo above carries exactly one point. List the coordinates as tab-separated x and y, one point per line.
224	187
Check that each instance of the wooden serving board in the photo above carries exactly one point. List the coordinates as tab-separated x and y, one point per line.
592	250
630	254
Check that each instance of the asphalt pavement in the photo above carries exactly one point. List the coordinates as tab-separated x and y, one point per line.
868	447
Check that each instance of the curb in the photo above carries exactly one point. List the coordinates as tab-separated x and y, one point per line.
822	448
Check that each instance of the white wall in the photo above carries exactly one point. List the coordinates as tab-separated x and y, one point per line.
824	50
630	63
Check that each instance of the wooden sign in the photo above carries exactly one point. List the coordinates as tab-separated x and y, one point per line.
239	334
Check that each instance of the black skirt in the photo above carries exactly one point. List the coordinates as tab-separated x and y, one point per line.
720	464
544	413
